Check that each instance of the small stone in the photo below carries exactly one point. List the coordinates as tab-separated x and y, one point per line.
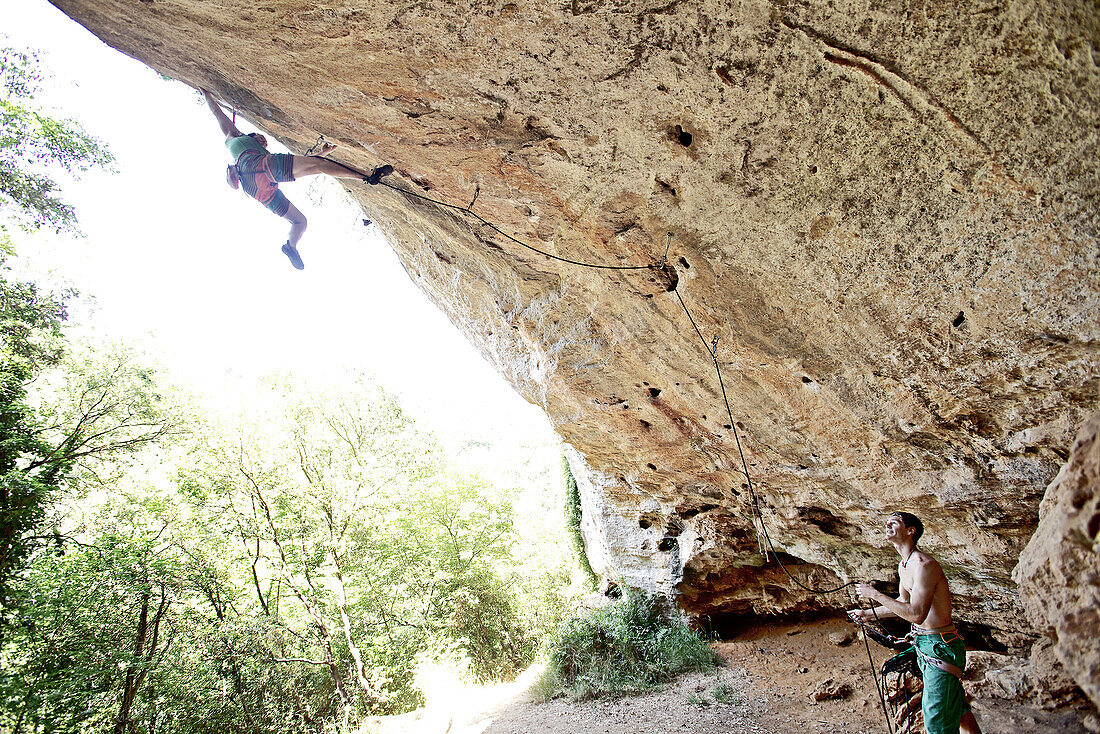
829	690
843	638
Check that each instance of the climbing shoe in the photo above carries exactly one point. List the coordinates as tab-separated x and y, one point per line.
293	256
377	174
232	177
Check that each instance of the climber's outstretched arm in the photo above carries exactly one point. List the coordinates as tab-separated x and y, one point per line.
228	128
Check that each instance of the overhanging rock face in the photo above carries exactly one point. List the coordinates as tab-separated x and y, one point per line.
886	213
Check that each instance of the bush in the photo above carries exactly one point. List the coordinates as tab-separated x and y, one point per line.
628	647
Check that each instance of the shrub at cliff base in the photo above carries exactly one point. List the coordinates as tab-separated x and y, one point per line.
630	646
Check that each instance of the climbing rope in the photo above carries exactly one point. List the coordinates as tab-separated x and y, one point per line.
468	211
757	516
754	500
874	675
486	223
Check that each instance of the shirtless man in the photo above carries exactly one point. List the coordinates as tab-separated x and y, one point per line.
925	601
260	174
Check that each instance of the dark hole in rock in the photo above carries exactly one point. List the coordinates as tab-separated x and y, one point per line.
654	392
680	135
645	424
666	544
813	169
806	380
1094	526
684	263
652	467
644	524
959	320
644	383
744	485
826	521
802	467
704	417
727	426
979	637
741	425
688	514
668	276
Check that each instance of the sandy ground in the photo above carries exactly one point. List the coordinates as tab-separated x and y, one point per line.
765	687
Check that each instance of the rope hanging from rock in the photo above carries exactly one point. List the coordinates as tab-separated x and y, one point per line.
712	349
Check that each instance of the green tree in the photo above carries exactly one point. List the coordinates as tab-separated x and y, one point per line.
281	572
31	142
30	342
101	407
354	536
101	614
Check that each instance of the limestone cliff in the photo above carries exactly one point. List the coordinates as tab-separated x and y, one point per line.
1059	571
886	212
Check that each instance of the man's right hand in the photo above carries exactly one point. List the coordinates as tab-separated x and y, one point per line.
859	615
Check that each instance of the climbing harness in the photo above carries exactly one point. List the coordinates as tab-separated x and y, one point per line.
904	664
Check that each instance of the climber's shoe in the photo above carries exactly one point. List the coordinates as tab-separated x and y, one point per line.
377	174
232	177
293	256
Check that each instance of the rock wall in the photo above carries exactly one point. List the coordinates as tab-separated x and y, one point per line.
1059	570
886	212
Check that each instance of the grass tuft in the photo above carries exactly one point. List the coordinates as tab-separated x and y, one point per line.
723	693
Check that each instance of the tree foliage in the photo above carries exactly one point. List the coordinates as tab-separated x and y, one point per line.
32	142
282	570
30	341
104	406
573	515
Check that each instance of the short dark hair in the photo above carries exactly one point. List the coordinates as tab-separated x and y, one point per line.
910	520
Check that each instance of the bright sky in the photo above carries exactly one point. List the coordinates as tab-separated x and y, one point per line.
177	260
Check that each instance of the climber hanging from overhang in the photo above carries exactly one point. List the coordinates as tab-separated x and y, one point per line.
259	173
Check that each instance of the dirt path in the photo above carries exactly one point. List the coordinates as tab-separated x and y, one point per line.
766	687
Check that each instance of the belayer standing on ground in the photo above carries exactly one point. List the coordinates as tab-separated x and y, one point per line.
259	173
925	601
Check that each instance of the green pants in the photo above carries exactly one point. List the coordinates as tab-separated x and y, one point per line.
943	700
